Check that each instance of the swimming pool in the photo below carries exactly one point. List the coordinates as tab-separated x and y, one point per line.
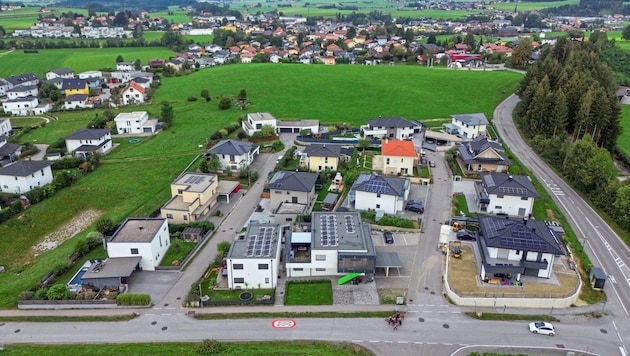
76	280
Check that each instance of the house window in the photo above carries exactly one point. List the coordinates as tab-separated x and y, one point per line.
523	198
185	217
326	160
278	192
169	216
263	266
320	269
320	257
180	191
387	161
237	266
378	206
134	251
239	280
266	280
378	195
298	269
518	252
498	207
500	196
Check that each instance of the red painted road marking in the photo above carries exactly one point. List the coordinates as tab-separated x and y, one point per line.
283	323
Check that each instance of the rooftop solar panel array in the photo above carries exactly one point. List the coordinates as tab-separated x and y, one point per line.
513	190
193	179
260	245
329	230
350	228
376	186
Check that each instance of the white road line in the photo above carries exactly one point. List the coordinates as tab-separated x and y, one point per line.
418	342
357	341
374	341
403	342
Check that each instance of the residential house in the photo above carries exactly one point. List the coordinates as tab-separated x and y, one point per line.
22	176
28	79
176	63
25	106
147	238
398	157
157	63
4	86
470	125
329	60
126	66
91	74
338	243
254	258
63	73
135	123
395	128
75	101
321	157
379	193
482	155
75	86
123	76
234	154
22	91
9	152
5	127
133	93
192	196
297	188
501	193
57	82
85	142
516	247
255	121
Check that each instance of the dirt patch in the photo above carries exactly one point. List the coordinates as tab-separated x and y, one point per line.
388	295
65	232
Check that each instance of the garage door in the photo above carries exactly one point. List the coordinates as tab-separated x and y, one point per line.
531	272
286	129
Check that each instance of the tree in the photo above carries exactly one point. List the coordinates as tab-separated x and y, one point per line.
352	33
137	64
214	164
225	103
242	95
104	225
522	52
121	19
206	95
119	59
431	39
469	40
267	131
58	292
223	248
626	33
622	205
166	110
203	166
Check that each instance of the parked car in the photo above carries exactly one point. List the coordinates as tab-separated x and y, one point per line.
413	202
541	327
416	208
466	235
431	163
389	238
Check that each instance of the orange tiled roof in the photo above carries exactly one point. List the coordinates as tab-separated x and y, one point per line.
398	148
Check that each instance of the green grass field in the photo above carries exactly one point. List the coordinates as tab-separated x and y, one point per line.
321	348
531	6
178	15
308	293
157	35
623	142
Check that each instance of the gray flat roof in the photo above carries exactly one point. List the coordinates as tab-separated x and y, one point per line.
138	230
196	182
113	267
342	231
387	259
260	241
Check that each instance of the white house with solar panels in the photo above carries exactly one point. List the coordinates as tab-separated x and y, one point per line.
338	243
254	259
506	194
379	193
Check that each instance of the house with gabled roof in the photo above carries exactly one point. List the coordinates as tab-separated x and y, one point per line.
9	152
396	128
75	101
22	91
379	193
22	176
63	73
126	66
28	105
516	247
470	125
75	86
133	93
397	157
4	86
501	193
85	142
234	154
321	157
482	155
292	188
23	79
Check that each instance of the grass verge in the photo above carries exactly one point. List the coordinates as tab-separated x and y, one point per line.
504	317
318	292
66	318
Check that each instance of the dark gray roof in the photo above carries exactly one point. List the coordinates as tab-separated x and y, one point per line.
88	134
22	78
21	88
23	168
319	150
22	99
347	151
231	147
367	182
112	267
470	151
55	80
8	148
518	234
505	184
472	119
76	97
391	122
295	181
73	84
62	71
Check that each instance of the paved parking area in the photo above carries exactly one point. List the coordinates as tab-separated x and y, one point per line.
404	245
467	186
154	283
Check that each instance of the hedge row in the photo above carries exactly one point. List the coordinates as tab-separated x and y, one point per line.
133	299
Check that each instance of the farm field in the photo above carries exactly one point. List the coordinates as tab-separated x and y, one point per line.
27	16
531	6
134	179
623	142
79	59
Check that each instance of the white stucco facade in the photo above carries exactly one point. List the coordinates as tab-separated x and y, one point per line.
151	250
511	205
20	183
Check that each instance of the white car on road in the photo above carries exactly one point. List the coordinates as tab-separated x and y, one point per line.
541	327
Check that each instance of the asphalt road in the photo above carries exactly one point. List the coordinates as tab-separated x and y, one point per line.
601	243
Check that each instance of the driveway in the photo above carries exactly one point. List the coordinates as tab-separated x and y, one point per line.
466	186
154	283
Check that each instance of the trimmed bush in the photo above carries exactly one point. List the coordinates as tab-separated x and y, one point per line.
58	292
192	98
60	268
133	299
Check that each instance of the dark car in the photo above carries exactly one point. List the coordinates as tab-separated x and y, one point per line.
466	235
413	202
416	208
389	238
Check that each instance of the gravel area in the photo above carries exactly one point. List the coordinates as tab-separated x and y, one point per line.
65	232
361	294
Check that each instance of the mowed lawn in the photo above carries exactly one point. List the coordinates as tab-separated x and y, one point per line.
308	293
623	142
78	59
134	179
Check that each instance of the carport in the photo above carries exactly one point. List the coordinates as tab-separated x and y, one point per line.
112	272
441	136
388	260
227	187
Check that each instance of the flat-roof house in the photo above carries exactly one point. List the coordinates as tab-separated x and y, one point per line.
147	238
292	188
254	258
482	155
470	125
25	106
255	121
398	157
112	272
75	86
338	243
516	247
85	142
135	123
234	154
192	196
379	193
321	157
64	73
396	128
501	193
22	176
91	74
133	93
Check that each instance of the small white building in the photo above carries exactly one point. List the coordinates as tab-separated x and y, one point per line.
135	123
254	258
4	86
25	106
63	73
76	101
470	125
395	128
22	91
126	66
379	193
145	237
22	176
85	142
5	127
500	193
255	121
91	74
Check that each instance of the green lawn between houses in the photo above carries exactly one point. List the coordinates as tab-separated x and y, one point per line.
623	141
134	179
316	292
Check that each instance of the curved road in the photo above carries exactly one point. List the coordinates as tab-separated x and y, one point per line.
600	242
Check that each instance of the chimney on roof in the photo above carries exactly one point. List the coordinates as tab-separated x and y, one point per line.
386	141
524	221
141	227
510	177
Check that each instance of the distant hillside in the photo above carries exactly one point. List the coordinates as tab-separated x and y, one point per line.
118	5
590	8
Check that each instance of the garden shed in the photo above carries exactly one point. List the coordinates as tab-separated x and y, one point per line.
192	234
597	278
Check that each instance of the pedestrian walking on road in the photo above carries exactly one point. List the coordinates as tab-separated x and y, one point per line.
395	325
